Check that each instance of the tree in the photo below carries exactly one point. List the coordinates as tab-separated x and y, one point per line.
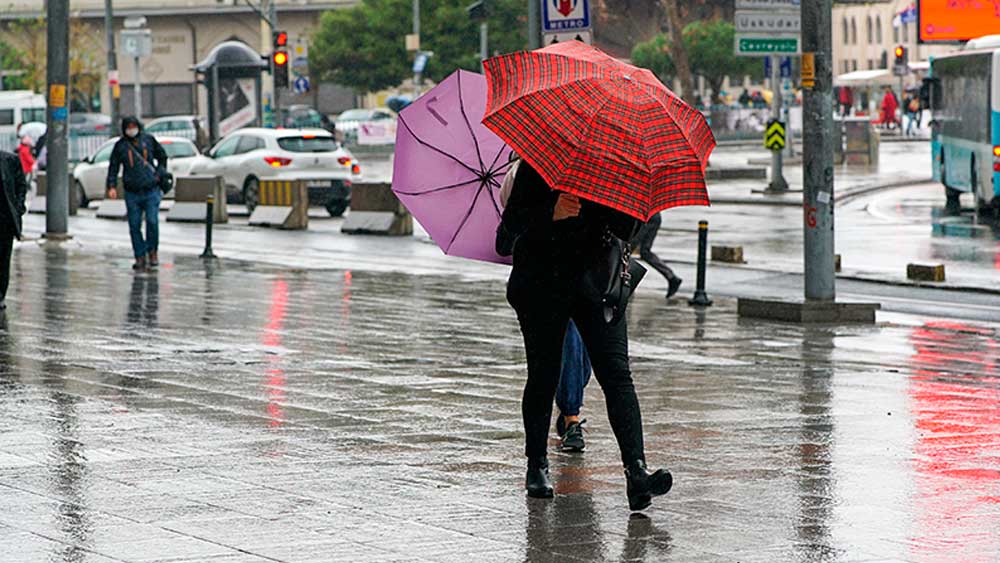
362	47
679	50
710	48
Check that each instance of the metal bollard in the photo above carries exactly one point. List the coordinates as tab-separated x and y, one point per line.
209	221
700	298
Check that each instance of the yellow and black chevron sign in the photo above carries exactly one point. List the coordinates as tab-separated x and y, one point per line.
774	135
276	192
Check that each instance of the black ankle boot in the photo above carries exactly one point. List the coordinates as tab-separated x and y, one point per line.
537	481
642	486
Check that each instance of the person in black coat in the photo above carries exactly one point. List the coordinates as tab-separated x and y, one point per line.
558	239
15	186
644	242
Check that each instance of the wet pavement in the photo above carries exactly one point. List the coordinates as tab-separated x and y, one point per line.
246	412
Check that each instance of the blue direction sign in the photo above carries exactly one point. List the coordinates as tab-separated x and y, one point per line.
301	85
419	63
565	15
786	67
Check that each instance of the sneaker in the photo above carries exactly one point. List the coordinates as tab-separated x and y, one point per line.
140	265
571	439
674	285
154	259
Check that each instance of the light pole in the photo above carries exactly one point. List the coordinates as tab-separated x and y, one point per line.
114	89
57	77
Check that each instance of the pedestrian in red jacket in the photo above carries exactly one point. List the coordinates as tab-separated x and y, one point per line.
24	152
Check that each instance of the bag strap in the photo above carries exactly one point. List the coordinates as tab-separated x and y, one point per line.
139	154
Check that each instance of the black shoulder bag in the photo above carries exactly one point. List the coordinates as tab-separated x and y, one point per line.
166	179
613	277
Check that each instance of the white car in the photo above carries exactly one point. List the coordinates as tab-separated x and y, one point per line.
245	157
348	122
91	175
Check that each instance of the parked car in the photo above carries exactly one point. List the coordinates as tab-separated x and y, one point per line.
84	123
347	122
90	175
304	117
190	127
247	156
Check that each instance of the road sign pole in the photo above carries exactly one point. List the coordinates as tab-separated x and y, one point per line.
137	90
534	24
817	153
778	183
57	77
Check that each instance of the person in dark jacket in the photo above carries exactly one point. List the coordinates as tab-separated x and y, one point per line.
644	242
558	239
142	161
15	186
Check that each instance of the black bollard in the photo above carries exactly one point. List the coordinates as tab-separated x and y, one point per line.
209	221
700	298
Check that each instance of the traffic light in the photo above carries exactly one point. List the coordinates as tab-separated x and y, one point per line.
900	53
279	68
280	39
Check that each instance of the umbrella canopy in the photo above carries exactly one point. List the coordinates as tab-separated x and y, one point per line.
448	167
596	127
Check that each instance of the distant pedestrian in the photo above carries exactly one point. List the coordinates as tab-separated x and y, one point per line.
143	162
644	241
745	99
889	106
912	105
24	153
15	187
846	98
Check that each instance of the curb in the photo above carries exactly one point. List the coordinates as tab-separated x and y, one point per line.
841	199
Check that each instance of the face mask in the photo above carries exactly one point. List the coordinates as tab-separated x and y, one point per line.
132	131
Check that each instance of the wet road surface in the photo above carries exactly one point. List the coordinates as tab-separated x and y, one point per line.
254	413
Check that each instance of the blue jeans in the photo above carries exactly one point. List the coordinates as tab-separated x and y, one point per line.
138	204
575	373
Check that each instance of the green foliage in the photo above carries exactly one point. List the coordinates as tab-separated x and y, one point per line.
709	47
363	47
12	59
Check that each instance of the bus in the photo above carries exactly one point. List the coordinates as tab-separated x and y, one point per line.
17	107
963	94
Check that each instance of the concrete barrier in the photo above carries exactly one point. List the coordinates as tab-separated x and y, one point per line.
376	210
39	202
283	204
925	272
861	141
730	254
190	194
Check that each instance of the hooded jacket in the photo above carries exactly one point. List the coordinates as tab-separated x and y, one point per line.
141	160
14	187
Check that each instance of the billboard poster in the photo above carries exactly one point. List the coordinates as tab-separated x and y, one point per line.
237	104
951	21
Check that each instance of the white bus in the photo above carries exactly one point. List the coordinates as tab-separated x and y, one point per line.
963	93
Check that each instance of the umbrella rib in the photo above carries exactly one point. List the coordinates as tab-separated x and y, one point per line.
465	219
440	189
497	158
435	149
494	201
461	107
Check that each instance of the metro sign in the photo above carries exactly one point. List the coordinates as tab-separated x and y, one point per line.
565	15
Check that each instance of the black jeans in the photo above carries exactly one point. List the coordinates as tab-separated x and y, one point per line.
6	249
543	321
644	240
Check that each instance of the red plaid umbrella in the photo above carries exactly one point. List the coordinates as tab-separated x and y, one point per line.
596	127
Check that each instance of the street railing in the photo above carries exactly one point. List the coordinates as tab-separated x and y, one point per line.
80	146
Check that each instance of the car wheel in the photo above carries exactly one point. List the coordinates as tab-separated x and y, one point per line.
336	207
251	193
82	195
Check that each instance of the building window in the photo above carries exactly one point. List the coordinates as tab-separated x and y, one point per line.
878	29
161	99
906	33
868	29
854	64
854	32
885	60
847	36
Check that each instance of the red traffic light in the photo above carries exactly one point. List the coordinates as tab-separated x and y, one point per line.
900	50
280	39
280	58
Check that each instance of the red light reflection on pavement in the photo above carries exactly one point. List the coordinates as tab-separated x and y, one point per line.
275	381
955	390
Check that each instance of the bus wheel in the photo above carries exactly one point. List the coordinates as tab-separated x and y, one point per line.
953	205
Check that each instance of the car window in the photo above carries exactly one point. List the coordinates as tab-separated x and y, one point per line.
104	154
308	143
249	143
227	147
178	149
158	127
353	115
381	115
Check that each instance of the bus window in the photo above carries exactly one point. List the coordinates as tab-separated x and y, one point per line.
964	108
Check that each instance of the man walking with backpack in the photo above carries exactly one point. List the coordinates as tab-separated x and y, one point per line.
144	165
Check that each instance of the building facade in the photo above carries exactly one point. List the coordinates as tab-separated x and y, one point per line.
183	33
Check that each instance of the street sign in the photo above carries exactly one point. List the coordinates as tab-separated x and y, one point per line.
755	45
771	21
420	63
565	15
767	4
552	38
807	73
137	42
774	136
785	67
301	85
900	69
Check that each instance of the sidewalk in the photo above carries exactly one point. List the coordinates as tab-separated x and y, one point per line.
244	412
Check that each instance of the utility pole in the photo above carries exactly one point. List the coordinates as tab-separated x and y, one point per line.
57	171
417	74
272	19
534	24
114	89
817	152
778	183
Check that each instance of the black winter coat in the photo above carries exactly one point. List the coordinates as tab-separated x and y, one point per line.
550	257
15	187
137	176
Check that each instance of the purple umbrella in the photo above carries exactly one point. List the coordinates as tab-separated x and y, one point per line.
449	166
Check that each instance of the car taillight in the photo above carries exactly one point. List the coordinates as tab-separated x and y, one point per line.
344	161
355	169
277	161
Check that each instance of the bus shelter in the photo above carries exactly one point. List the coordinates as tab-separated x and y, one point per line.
232	75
